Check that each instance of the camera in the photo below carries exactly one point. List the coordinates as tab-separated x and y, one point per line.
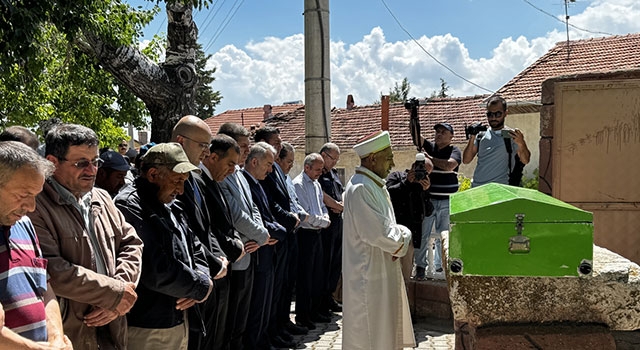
473	129
419	167
411	103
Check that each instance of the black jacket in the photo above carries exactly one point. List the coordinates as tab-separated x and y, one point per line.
171	269
280	203
221	222
200	223
410	203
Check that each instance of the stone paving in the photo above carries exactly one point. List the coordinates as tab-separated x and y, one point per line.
430	334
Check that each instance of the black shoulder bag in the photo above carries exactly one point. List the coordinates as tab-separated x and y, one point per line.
515	173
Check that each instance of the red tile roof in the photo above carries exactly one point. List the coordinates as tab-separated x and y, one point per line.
250	118
590	55
348	126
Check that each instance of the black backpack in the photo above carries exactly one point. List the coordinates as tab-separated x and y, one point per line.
515	173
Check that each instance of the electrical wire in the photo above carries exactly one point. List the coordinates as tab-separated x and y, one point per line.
215	13
563	22
429	54
224	24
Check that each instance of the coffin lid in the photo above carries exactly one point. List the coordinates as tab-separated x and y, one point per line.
500	203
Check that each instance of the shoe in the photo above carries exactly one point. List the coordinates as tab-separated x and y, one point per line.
295	329
334	306
306	323
325	313
278	342
285	335
420	274
319	318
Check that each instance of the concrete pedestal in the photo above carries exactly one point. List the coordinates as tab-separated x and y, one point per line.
609	298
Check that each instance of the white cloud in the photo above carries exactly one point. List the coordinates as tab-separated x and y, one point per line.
272	71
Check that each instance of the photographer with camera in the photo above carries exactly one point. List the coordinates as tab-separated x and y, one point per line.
446	159
410	199
502	152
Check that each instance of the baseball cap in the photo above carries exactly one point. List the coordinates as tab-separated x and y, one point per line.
171	155
444	125
115	161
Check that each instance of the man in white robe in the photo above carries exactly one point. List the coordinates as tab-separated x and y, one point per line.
375	305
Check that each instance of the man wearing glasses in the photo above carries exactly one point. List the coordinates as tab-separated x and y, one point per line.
94	254
494	162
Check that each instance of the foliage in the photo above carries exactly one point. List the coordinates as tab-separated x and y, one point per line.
44	74
527	182
465	182
398	93
444	87
70	87
531	182
206	99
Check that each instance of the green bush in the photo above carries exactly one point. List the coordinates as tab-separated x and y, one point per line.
527	182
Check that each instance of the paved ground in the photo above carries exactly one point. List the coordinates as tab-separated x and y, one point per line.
431	334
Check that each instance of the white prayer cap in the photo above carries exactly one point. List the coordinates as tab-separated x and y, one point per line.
373	143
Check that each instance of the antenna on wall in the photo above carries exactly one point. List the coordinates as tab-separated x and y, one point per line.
566	14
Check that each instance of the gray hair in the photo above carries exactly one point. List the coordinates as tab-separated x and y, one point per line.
62	136
259	151
15	155
329	146
312	158
285	150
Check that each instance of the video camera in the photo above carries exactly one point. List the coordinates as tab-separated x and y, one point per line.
411	103
473	129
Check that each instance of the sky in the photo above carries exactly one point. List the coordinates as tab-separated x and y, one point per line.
257	46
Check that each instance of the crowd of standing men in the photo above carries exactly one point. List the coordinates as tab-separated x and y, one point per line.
201	245
204	242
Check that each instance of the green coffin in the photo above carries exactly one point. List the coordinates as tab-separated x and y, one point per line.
500	230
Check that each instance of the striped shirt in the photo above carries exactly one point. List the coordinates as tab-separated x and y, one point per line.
443	182
23	277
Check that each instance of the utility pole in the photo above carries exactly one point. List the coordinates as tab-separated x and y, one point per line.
317	81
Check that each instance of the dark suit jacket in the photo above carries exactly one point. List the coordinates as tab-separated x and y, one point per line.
200	224
276	230
280	204
221	222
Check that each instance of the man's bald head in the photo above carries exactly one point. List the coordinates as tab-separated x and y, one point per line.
194	135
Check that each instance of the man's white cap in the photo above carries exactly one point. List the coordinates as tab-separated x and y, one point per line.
373	143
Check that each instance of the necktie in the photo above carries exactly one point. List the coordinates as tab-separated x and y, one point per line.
196	192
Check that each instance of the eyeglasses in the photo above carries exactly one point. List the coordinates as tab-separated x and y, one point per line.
202	145
332	158
84	163
123	145
497	114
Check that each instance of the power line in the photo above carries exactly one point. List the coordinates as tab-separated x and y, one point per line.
563	22
225	22
430	55
215	12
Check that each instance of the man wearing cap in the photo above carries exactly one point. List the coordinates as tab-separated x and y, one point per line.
194	135
175	275
446	159
111	174
374	298
94	256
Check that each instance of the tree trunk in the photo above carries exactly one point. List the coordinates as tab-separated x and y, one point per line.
169	89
